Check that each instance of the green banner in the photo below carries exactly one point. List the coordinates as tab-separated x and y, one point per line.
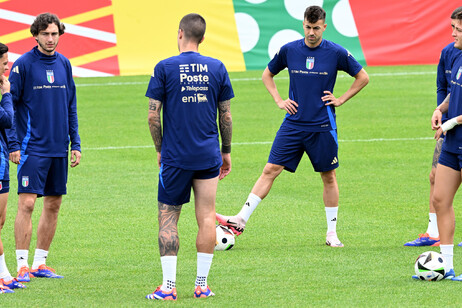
265	25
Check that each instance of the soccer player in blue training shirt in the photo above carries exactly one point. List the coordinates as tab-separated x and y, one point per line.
309	125
7	282
443	87
191	88
448	173
45	104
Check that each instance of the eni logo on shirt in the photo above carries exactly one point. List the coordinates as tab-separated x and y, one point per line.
50	76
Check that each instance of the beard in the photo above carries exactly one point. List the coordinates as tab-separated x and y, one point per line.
45	48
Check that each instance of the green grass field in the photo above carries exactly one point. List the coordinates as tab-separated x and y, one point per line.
106	241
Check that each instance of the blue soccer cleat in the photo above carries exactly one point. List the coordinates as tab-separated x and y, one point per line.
449	274
5	289
24	274
12	284
162	295
424	240
44	271
460	244
199	292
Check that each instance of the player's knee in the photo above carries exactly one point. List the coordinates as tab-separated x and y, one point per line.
26	205
329	178
272	171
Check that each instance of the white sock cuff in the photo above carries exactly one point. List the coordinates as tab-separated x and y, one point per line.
168	259
205	256
254	197
41	252
447	250
331	209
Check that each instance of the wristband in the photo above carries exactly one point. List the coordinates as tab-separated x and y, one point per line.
225	148
438	110
449	124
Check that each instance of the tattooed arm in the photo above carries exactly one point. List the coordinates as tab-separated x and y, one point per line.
168	216
226	131
155	125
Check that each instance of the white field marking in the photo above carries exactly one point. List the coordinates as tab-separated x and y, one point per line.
260	143
252	79
73	29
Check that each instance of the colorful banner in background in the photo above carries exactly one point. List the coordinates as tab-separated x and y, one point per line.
128	37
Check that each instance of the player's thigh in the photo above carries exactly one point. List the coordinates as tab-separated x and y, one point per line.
322	149
174	186
287	149
3	203
447	177
205	184
32	174
56	181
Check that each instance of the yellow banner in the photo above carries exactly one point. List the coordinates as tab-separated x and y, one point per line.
147	32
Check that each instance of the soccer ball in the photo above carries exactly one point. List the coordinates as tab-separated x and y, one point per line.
430	266
225	238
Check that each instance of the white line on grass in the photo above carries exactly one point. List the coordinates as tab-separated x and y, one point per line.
259	143
251	79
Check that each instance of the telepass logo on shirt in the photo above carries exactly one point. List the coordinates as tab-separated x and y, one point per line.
50	76
309	63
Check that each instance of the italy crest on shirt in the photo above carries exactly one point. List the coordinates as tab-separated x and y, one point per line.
459	72
50	76
309	62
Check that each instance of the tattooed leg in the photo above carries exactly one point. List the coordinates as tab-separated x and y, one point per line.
168	216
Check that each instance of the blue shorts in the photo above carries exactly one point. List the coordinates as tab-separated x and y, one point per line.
4	187
175	183
451	160
290	144
44	176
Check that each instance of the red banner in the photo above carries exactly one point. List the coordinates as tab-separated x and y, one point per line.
397	32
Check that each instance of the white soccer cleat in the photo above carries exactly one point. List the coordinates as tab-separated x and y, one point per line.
332	240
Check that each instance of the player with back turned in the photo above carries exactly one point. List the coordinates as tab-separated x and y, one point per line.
192	90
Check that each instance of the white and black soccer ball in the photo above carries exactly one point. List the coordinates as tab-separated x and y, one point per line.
225	238
430	266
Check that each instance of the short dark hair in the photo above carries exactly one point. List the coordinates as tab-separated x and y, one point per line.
193	26
42	22
314	13
457	13
3	49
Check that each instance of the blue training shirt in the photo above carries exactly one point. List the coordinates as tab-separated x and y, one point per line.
45	105
312	71
190	86
443	76
6	120
453	140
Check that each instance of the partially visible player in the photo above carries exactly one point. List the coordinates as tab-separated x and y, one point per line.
448	173
309	125
7	282
443	87
193	90
45	102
